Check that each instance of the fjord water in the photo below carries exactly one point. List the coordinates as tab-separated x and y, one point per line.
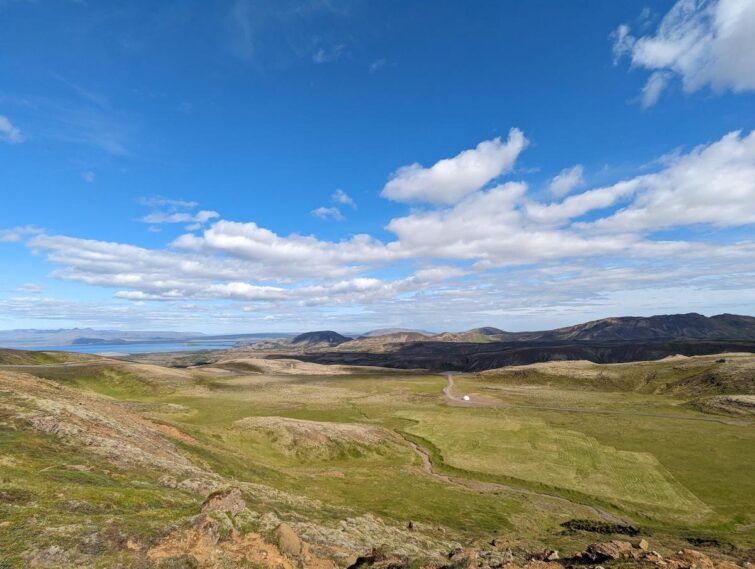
137	347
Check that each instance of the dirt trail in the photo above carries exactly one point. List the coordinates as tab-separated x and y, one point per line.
493	487
481	401
473	401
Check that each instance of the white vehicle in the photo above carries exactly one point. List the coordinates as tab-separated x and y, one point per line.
466	398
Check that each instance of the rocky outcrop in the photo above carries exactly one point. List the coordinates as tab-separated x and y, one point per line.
227	500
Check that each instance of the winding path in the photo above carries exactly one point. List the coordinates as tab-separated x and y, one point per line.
491	487
494	487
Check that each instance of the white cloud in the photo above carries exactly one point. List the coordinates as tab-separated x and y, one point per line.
449	180
653	88
328	213
566	181
491	229
16	234
489	252
341	197
338	197
200	217
557	213
705	43
713	184
89	176
292	256
9	132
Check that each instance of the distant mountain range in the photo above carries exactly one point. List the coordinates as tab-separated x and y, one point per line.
634	332
624	328
692	325
608	340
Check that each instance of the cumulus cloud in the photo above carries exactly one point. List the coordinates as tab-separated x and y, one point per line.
8	132
492	229
704	42
566	181
713	184
294	255
486	251
450	179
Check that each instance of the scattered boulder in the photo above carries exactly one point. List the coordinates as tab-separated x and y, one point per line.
545	555
607	551
288	541
227	500
463	558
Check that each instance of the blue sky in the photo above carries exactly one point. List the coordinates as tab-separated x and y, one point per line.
251	166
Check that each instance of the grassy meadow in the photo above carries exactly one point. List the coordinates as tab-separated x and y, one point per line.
553	447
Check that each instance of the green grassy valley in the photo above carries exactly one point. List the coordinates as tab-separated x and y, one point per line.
114	459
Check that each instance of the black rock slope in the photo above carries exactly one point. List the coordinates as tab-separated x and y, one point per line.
320	337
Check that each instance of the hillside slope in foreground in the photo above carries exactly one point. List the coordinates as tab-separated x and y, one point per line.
111	463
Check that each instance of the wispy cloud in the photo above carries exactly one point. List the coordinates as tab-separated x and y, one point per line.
9	132
161	201
328	213
16	234
200	217
341	197
566	181
329	54
242	30
174	211
33	288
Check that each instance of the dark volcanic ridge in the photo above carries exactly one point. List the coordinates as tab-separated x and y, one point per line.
609	340
474	357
